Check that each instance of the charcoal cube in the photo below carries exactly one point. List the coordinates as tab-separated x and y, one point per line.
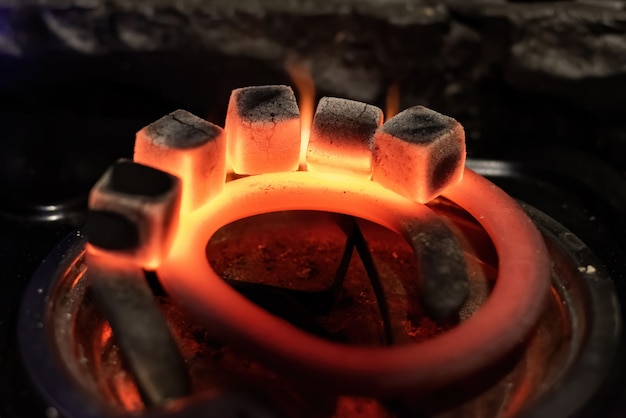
133	212
263	130
111	230
342	135
188	147
418	153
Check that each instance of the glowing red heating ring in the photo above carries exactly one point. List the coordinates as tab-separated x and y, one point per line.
506	318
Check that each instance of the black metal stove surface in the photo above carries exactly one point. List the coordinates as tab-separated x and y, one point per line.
44	199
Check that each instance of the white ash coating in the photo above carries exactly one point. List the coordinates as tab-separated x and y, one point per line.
419	125
182	130
266	103
419	153
346	120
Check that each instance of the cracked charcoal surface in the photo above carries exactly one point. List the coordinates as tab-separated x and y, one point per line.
514	74
346	119
137	179
181	129
418	125
275	103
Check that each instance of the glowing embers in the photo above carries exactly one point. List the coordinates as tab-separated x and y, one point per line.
263	129
414	156
188	147
341	136
419	153
518	296
134	212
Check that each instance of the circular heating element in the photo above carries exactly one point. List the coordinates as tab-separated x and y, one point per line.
565	362
518	297
356	166
161	211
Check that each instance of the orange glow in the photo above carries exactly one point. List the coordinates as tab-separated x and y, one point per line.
326	191
262	147
179	166
262	142
202	169
522	392
117	260
342	135
76	265
530	379
392	102
518	296
149	257
301	77
126	392
353	160
106	333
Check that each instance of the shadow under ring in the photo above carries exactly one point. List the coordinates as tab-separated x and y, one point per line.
506	317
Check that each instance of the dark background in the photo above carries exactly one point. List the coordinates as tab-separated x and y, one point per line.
78	78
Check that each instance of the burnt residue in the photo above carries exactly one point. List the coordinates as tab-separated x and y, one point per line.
275	103
419	125
182	129
346	119
141	180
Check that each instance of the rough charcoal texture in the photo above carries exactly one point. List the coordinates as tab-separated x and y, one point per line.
275	103
263	129
516	74
189	148
137	201
342	136
418	153
181	129
346	119
419	126
138	179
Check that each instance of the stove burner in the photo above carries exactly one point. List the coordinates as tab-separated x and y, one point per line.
488	339
561	367
516	299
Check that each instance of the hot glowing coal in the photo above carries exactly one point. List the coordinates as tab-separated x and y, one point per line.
188	147
263	130
417	155
342	135
134	212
